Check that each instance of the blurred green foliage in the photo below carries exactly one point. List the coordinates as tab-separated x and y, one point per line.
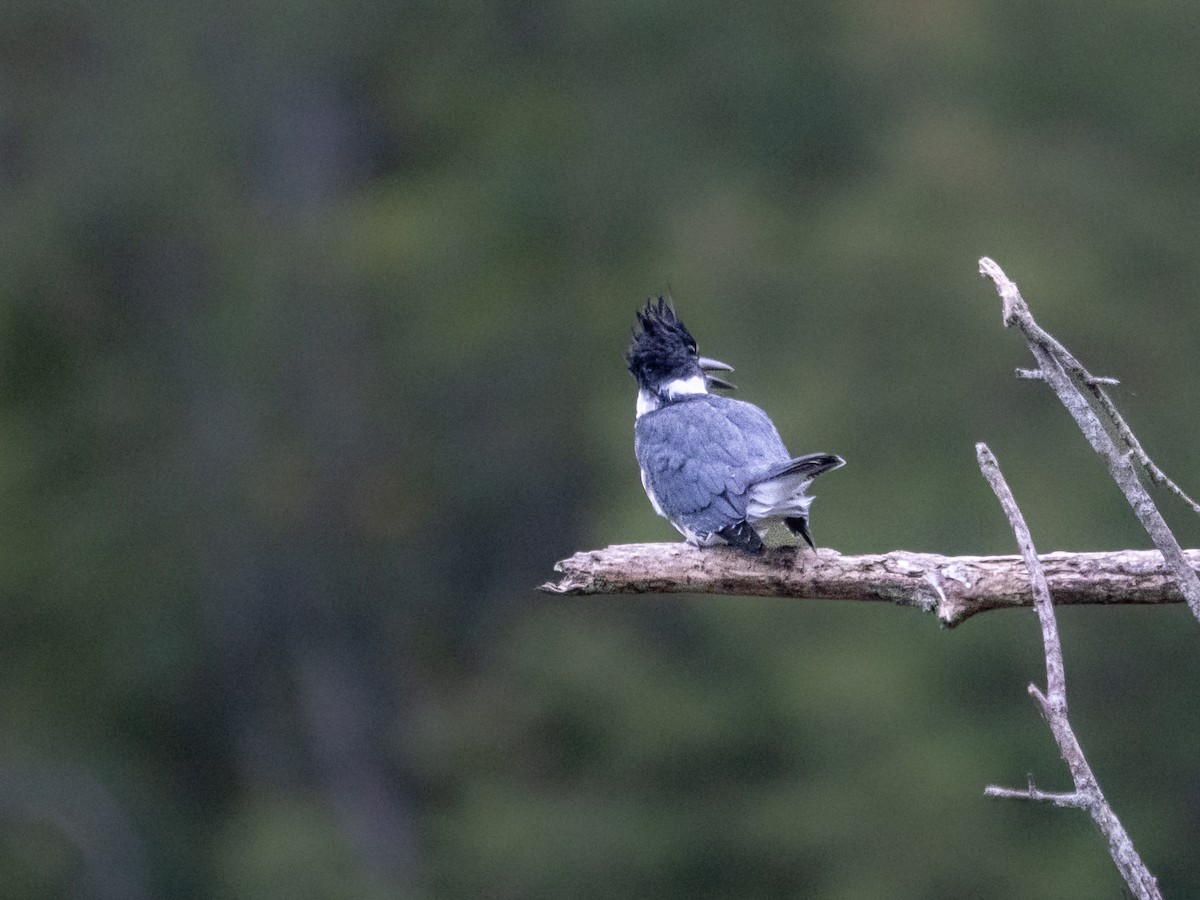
311	329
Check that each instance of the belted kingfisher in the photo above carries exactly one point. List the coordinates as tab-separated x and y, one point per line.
715	467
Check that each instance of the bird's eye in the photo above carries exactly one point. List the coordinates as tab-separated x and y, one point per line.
694	350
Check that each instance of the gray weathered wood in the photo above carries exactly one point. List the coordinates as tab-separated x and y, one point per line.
953	587
1053	703
1061	370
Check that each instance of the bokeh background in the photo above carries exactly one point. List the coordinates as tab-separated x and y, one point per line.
312	317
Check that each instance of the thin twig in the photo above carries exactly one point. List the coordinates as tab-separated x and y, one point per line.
1064	799
1056	681
1060	369
1036	375
1053	703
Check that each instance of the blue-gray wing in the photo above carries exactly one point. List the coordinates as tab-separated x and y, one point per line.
700	457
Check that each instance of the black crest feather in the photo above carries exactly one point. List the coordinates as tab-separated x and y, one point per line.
661	345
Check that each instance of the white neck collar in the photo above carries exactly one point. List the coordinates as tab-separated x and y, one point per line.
672	390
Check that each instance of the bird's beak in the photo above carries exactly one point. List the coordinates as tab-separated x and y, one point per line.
714	365
708	366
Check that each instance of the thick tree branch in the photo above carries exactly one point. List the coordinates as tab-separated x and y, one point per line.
1053	703
1065	374
953	587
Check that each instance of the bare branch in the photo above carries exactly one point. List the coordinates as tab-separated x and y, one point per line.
1087	794
953	587
1067	800
1055	700
1061	370
1036	375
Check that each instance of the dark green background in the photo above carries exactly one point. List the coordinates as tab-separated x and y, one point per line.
312	318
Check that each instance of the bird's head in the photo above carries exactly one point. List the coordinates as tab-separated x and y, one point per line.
665	360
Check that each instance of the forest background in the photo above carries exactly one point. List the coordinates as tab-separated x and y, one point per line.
312	318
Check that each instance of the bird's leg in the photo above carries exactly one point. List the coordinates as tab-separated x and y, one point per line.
743	537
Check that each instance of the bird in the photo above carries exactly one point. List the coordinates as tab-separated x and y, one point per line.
714	467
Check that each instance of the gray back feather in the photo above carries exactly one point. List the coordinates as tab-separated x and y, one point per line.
702	455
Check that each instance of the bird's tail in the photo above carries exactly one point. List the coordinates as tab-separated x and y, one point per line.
780	494
809	466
